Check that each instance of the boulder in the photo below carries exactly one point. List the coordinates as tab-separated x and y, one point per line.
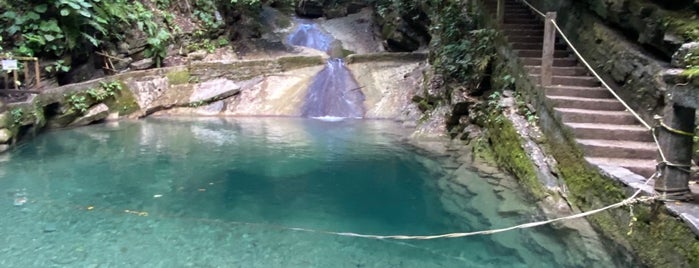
95	113
142	64
681	58
5	135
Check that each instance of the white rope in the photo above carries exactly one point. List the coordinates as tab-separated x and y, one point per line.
630	200
589	67
533	8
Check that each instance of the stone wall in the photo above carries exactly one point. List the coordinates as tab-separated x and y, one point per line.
136	94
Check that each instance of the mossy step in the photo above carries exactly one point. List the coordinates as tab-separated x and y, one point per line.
618	149
534	45
575	91
579	81
557	62
610	131
643	167
569	71
572	115
537	53
586	103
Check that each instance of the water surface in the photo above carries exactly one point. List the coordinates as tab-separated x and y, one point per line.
218	192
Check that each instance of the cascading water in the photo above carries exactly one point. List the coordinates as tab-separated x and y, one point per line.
333	92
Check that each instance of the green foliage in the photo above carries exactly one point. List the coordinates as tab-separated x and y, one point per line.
77	102
17	115
104	91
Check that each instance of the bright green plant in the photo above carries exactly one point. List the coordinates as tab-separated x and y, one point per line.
78	103
17	115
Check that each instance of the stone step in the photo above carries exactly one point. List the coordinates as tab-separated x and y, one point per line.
539	32
610	131
557	62
586	103
580	81
618	149
643	167
585	92
534	45
530	20
537	53
572	115
525	39
525	34
566	71
515	26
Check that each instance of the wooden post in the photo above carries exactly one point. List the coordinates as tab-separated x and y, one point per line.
26	75
501	12
14	78
547	50
37	73
673	184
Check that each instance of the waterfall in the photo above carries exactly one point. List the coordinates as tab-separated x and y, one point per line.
333	93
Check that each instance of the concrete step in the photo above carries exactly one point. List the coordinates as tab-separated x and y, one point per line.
580	81
618	149
643	167
534	45
585	92
572	115
537	53
610	131
586	103
565	71
557	62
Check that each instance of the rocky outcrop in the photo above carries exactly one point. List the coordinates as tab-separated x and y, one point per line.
93	114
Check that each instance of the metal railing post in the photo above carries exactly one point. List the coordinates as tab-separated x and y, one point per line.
548	49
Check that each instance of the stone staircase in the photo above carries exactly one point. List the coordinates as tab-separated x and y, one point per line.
607	133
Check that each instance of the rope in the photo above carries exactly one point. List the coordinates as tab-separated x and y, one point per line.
533	8
671	129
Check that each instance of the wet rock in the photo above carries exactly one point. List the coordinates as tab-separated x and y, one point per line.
212	109
95	113
5	135
4	147
142	64
681	60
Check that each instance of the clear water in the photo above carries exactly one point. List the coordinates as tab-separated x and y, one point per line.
220	192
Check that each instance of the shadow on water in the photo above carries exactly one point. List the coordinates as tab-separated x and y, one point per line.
334	92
